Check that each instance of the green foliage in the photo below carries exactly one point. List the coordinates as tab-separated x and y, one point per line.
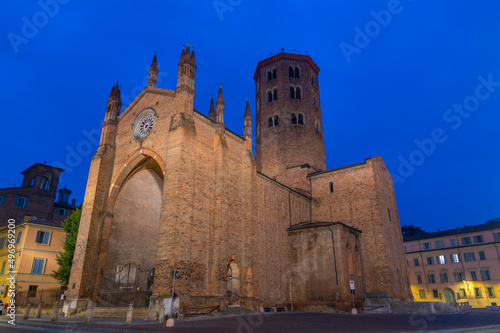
411	230
65	259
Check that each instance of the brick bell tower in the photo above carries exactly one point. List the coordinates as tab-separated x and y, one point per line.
289	129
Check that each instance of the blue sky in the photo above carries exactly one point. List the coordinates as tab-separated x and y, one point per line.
417	82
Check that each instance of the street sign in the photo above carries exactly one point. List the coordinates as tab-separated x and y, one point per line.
352	285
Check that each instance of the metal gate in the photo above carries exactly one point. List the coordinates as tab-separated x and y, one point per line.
130	284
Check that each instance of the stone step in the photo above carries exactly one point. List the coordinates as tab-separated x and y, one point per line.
116	313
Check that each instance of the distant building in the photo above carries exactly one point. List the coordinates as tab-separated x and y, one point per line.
36	198
39	237
36	247
458	265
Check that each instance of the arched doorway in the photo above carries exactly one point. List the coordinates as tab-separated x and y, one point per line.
128	271
449	296
233	282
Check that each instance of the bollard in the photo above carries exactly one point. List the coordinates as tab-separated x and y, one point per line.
55	311
170	322
88	315
161	313
27	313
39	311
130	312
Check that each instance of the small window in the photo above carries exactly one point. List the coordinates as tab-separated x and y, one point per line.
275	94
415	261
6	290
455	257
301	119
274	73
269	96
313	80
2	242
473	275
331	187
469	256
439	244
33	181
2	270
19	236
42	237
297	72
292	92
453	242
478	292
419	279
294	118
291	71
389	213
459	276
496	236
32	291
269	76
462	293
431	278
478	239
441	259
2	200
38	266
314	100
61	211
21	202
435	293
270	122
466	241
491	292
276	120
482	256
298	93
426	246
407	263
443	277
422	293
485	275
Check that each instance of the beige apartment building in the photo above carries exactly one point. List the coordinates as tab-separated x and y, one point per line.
458	265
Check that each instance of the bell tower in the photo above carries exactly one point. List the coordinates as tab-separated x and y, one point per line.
289	129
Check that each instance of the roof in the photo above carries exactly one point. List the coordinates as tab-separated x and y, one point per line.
492	224
50	223
285	55
40	164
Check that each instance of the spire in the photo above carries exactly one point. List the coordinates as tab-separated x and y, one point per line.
182	53
114	103
211	110
248	113
220	106
192	56
187	51
187	70
247	128
153	73
219	96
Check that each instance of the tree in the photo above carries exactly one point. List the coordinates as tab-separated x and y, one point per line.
411	230
65	259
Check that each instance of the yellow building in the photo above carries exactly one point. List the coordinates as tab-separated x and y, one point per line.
37	243
458	265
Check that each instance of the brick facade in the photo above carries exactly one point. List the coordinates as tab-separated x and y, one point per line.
229	222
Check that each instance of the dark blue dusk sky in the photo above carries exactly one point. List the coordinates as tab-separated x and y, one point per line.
389	90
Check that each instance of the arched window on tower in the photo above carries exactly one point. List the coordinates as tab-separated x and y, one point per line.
269	96
297	72
298	93
331	187
275	94
276	120
290	71
269	76
270	122
294	118
301	119
33	181
314	101
274	73
292	92
313	80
